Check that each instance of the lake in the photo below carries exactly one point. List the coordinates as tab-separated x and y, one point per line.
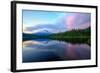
43	50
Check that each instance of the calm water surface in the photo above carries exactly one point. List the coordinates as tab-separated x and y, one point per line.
39	50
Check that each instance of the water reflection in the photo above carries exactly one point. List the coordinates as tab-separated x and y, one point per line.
39	50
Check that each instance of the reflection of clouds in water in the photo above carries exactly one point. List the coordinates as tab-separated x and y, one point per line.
53	45
42	43
26	43
73	50
64	50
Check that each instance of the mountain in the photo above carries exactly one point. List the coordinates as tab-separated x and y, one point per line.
43	33
37	34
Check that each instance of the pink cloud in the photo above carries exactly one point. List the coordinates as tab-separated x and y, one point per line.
70	21
77	21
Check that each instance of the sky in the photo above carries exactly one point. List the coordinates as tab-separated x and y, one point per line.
37	21
32	18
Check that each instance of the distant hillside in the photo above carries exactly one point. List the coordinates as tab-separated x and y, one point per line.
80	36
34	36
73	33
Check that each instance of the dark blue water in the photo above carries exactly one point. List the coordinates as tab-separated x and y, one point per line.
39	50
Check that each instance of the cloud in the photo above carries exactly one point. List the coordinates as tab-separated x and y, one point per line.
69	21
78	20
